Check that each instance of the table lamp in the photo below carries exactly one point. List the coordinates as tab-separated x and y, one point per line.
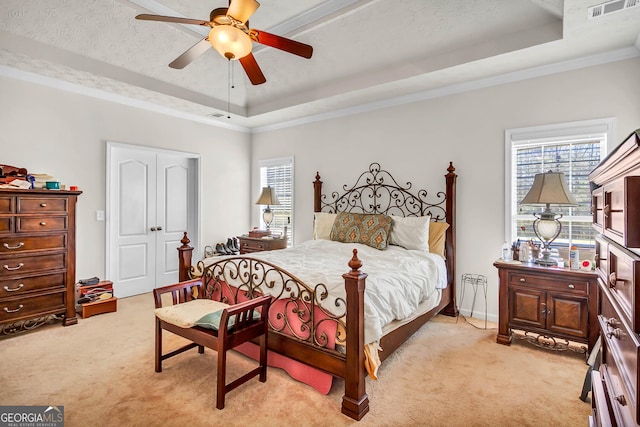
267	197
548	188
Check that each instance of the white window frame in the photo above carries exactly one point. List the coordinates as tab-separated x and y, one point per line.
560	131
276	162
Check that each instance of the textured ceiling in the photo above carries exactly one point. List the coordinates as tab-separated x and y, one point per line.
365	51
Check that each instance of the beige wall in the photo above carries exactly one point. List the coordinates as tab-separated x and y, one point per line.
64	134
416	142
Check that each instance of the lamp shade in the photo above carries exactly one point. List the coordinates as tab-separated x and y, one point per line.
230	42
268	197
549	188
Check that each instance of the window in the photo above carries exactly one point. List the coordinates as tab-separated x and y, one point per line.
278	174
573	149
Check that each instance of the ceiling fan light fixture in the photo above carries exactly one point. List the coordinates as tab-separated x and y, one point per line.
241	10
230	42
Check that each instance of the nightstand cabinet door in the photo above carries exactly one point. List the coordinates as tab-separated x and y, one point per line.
527	307
568	315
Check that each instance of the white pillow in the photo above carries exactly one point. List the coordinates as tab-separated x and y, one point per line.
411	232
322	225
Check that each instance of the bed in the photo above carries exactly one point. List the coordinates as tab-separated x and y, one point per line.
320	325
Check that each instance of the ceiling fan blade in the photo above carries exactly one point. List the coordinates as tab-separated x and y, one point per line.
190	54
281	43
252	69
147	17
242	9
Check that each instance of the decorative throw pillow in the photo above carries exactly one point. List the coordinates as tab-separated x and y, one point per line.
369	229
322	225
411	232
212	320
437	237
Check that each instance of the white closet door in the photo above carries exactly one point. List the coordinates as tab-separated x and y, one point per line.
175	178
132	215
152	202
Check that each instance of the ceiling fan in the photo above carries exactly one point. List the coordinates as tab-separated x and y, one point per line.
231	36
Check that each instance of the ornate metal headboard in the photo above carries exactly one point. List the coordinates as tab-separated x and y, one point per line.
377	191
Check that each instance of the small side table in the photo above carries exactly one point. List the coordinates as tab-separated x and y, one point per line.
476	281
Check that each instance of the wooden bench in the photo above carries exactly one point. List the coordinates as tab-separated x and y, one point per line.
238	324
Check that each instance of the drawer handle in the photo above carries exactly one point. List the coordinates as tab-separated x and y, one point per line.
43	205
571	286
621	400
14	311
43	223
522	279
616	333
6	267
613	280
18	246
613	322
8	289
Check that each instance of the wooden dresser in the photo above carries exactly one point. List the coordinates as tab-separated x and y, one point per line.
37	258
615	184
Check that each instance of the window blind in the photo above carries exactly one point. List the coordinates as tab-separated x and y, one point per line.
278	174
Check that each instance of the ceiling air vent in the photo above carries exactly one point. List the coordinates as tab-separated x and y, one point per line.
611	7
215	115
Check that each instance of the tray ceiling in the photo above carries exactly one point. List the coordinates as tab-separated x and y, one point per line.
366	52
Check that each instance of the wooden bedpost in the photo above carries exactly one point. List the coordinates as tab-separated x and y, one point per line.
355	402
450	245
317	193
185	253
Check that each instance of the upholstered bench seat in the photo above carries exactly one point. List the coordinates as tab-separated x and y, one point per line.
187	314
212	324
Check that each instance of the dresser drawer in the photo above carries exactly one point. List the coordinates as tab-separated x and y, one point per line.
29	205
19	286
602	257
621	210
623	281
621	412
17	244
6	224
597	209
546	282
49	223
18	308
14	266
7	205
621	353
599	402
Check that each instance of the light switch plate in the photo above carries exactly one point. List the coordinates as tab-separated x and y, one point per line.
99	215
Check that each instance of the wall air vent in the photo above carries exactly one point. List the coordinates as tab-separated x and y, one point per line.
611	7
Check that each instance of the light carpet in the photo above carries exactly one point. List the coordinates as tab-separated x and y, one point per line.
448	374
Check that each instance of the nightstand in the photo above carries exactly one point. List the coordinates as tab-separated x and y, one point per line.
256	244
551	305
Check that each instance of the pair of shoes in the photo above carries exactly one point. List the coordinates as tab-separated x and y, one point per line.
221	250
232	243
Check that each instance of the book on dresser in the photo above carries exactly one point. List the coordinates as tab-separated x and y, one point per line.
615	207
37	258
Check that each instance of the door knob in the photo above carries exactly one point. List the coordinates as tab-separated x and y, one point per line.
153	229
159	228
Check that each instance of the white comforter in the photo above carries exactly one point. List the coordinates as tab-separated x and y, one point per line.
398	279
